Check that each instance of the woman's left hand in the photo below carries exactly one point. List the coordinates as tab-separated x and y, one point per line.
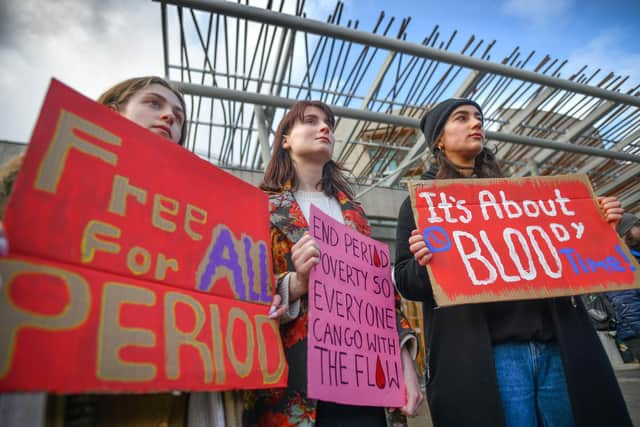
4	243
277	310
612	209
412	387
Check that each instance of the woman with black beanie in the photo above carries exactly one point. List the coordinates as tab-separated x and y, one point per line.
520	363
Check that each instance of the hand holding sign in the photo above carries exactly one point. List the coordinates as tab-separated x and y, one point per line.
419	248
612	209
304	254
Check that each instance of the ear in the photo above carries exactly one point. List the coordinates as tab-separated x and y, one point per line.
285	143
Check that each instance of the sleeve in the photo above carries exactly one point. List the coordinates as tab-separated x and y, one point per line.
294	307
282	269
406	334
411	279
409	340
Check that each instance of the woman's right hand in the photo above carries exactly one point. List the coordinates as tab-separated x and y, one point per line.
4	243
304	254
419	248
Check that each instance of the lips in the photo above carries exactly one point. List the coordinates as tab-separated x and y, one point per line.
477	135
324	139
164	129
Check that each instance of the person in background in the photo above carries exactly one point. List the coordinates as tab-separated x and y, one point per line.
299	173
520	363
627	303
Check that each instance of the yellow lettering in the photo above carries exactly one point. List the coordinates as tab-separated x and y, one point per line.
136	267
14	318
176	338
120	190
91	243
163	264
160	205
216	337
64	139
113	337
275	376
197	215
243	368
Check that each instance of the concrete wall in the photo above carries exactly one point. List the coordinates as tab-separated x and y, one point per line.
9	149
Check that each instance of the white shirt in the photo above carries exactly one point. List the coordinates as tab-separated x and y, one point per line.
328	205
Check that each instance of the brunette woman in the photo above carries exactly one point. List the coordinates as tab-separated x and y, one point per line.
522	363
299	173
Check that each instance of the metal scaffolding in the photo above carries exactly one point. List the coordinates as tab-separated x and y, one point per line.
242	66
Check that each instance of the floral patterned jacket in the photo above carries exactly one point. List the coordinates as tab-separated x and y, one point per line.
290	406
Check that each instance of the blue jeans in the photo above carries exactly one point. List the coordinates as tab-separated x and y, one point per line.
532	385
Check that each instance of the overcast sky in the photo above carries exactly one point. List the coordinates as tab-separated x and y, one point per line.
91	44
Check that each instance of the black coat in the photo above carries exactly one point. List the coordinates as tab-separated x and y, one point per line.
627	307
462	388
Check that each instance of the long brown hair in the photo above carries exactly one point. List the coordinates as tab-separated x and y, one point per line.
485	165
117	96
281	170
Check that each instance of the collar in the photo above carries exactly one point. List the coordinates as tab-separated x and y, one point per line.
287	215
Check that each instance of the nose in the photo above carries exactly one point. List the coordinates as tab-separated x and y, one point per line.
476	122
324	127
168	116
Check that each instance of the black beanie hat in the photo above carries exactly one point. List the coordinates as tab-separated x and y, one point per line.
433	121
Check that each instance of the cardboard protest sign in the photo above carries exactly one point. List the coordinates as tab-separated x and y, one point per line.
353	350
133	262
509	239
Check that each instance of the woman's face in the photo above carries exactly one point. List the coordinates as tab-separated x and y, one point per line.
158	109
311	139
463	135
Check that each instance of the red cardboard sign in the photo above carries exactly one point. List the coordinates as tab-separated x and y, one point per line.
509	239
69	329
112	221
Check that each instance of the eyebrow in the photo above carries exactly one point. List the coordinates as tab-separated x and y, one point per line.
319	117
179	108
467	113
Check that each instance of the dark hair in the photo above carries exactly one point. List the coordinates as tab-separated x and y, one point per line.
485	163
485	166
118	95
281	170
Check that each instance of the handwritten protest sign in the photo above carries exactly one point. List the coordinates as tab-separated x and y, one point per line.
353	352
509	239
134	265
